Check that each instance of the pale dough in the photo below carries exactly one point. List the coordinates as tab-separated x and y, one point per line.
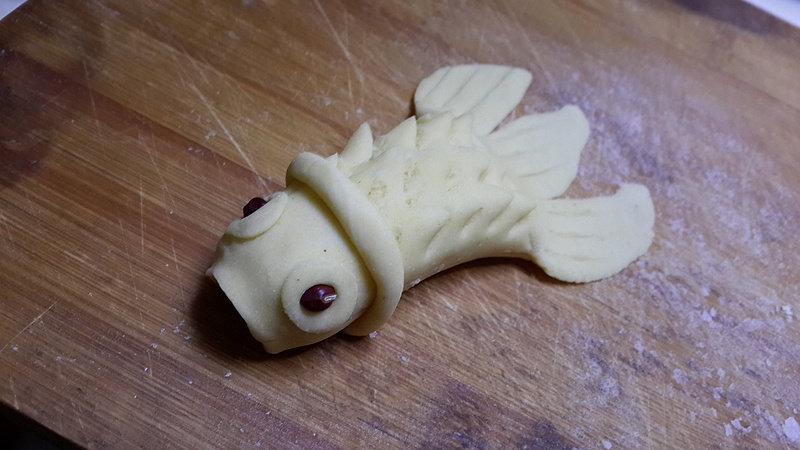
438	190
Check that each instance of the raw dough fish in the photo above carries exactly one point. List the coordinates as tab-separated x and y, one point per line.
336	249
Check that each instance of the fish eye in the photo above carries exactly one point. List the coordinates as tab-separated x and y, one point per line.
319	295
253	205
258	216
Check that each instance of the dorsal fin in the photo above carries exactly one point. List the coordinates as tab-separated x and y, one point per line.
403	136
434	130
487	92
358	149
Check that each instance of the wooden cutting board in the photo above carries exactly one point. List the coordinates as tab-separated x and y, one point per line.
133	132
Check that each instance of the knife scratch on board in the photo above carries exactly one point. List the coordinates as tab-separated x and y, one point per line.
130	265
91	99
30	324
141	216
161	179
177	269
8	230
179	72
341	44
565	20
13	392
230	137
197	68
523	32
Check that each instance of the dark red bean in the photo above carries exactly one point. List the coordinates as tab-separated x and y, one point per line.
253	205
318	297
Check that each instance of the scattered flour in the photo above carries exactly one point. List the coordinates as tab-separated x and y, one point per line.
787	311
791	429
679	377
737	424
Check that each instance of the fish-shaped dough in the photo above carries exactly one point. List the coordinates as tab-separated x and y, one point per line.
336	249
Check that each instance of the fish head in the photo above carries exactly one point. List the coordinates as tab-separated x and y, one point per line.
291	271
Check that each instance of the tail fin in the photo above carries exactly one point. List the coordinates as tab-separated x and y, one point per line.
589	239
489	93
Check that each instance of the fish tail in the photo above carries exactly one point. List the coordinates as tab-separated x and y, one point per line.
580	240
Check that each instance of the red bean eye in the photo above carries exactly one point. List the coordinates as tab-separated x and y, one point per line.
252	206
318	297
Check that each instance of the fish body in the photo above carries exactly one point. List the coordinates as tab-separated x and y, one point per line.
438	190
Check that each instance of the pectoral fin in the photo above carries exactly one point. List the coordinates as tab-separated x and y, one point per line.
589	239
540	153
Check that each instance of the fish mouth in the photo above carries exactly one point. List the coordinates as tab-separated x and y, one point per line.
263	309
224	279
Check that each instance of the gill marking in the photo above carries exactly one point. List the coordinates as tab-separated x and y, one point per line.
436	235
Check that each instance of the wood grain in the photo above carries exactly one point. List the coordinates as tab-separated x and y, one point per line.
133	132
